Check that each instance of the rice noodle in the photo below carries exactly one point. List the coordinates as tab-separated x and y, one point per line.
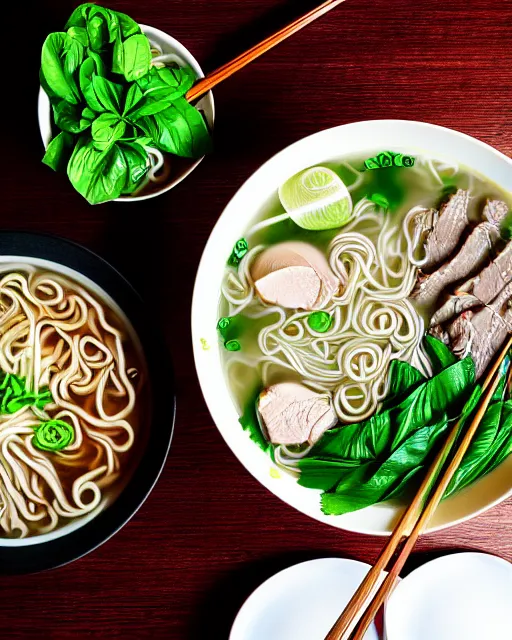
373	322
54	333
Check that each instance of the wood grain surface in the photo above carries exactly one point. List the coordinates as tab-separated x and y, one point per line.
209	534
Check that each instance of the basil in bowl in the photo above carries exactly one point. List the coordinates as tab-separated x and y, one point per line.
112	107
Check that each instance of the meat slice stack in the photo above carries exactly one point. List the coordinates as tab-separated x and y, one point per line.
477	317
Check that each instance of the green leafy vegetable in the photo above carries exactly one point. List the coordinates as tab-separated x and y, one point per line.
106	129
361	464
70	117
14	394
180	129
99	175
136	57
104	91
251	424
167	82
439	354
109	94
371	483
61	56
137	162
59	151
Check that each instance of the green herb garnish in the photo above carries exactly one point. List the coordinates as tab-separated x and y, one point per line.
389	159
53	435
379	200
320	321
109	104
239	250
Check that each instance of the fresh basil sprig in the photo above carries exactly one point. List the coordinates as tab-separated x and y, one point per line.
109	104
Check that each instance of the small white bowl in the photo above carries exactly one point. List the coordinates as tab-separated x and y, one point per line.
247	204
302	602
168	45
462	596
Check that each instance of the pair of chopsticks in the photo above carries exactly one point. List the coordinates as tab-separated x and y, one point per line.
374	590
227	70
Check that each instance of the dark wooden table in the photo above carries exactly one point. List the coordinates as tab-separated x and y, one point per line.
209	534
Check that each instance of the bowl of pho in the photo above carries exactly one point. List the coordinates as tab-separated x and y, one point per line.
112	108
81	384
346	307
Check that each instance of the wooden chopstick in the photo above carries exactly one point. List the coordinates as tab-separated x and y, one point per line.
227	70
368	599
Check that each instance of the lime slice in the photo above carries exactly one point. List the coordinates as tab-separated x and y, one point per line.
316	199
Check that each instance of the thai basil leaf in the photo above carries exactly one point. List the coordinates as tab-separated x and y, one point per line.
79	16
80	34
149	107
60	57
167	82
106	129
136	57
133	97
89	114
99	175
88	70
127	26
118	55
59	151
137	162
108	94
180	129
69	117
98	32
102	24
439	354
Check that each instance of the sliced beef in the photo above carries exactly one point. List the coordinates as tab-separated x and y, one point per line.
453	219
481	333
472	256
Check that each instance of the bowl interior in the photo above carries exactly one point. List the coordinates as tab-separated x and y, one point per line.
248	203
168	45
84	534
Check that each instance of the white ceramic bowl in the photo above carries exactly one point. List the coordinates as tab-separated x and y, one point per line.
168	45
360	137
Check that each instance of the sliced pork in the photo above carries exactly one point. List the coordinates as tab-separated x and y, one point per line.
474	253
293	414
294	275
481	333
453	219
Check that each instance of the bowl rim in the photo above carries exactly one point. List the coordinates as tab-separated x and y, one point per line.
65	548
45	122
216	393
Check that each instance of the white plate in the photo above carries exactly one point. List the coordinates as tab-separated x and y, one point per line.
465	596
254	195
301	602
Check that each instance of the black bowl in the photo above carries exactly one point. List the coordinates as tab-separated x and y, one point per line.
73	545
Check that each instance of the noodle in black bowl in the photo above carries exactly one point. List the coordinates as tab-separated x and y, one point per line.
350	298
82	383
